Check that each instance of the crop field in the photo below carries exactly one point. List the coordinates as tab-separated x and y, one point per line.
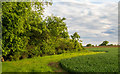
106	62
40	64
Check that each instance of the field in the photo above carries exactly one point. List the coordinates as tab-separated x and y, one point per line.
107	62
94	60
40	64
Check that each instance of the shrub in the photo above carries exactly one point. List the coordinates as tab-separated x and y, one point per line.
48	47
24	55
15	57
59	51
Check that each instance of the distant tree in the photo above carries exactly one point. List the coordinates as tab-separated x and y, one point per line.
104	43
89	45
92	45
110	45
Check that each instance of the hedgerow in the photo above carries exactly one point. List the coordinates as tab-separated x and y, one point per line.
26	34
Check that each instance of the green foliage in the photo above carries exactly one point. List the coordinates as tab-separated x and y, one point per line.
24	31
56	26
110	45
18	19
40	64
75	36
106	62
48	48
104	43
89	45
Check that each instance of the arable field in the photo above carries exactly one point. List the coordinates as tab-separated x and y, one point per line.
106	62
95	60
40	64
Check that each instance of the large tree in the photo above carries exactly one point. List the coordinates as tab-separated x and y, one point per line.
18	20
26	34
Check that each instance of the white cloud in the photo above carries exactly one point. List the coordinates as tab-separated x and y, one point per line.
85	1
106	26
93	21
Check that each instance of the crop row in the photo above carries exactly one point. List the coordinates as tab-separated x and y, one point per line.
105	62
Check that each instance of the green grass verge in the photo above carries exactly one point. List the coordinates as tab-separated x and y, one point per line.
39	64
107	62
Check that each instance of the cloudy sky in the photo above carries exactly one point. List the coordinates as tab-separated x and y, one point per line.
94	20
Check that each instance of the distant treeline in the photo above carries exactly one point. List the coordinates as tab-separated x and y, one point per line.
104	43
26	34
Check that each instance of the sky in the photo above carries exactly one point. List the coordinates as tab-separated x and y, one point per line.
94	20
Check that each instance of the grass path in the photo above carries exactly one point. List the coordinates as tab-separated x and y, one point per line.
39	64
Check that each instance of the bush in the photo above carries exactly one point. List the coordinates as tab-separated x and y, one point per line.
32	51
48	47
24	55
15	57
59	51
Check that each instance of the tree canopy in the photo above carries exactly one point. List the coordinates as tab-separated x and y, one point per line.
104	43
75	36
89	45
26	34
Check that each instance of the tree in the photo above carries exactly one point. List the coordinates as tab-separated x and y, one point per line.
75	36
104	43
56	26
110	45
26	34
96	45
18	21
88	45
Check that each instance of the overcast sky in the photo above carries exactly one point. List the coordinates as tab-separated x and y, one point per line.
94	20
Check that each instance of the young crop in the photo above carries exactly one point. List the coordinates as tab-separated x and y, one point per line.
106	62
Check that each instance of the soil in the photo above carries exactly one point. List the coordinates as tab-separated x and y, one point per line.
57	67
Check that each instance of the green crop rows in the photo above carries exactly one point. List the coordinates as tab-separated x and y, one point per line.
106	62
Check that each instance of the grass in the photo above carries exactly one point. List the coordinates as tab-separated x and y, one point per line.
39	64
107	62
